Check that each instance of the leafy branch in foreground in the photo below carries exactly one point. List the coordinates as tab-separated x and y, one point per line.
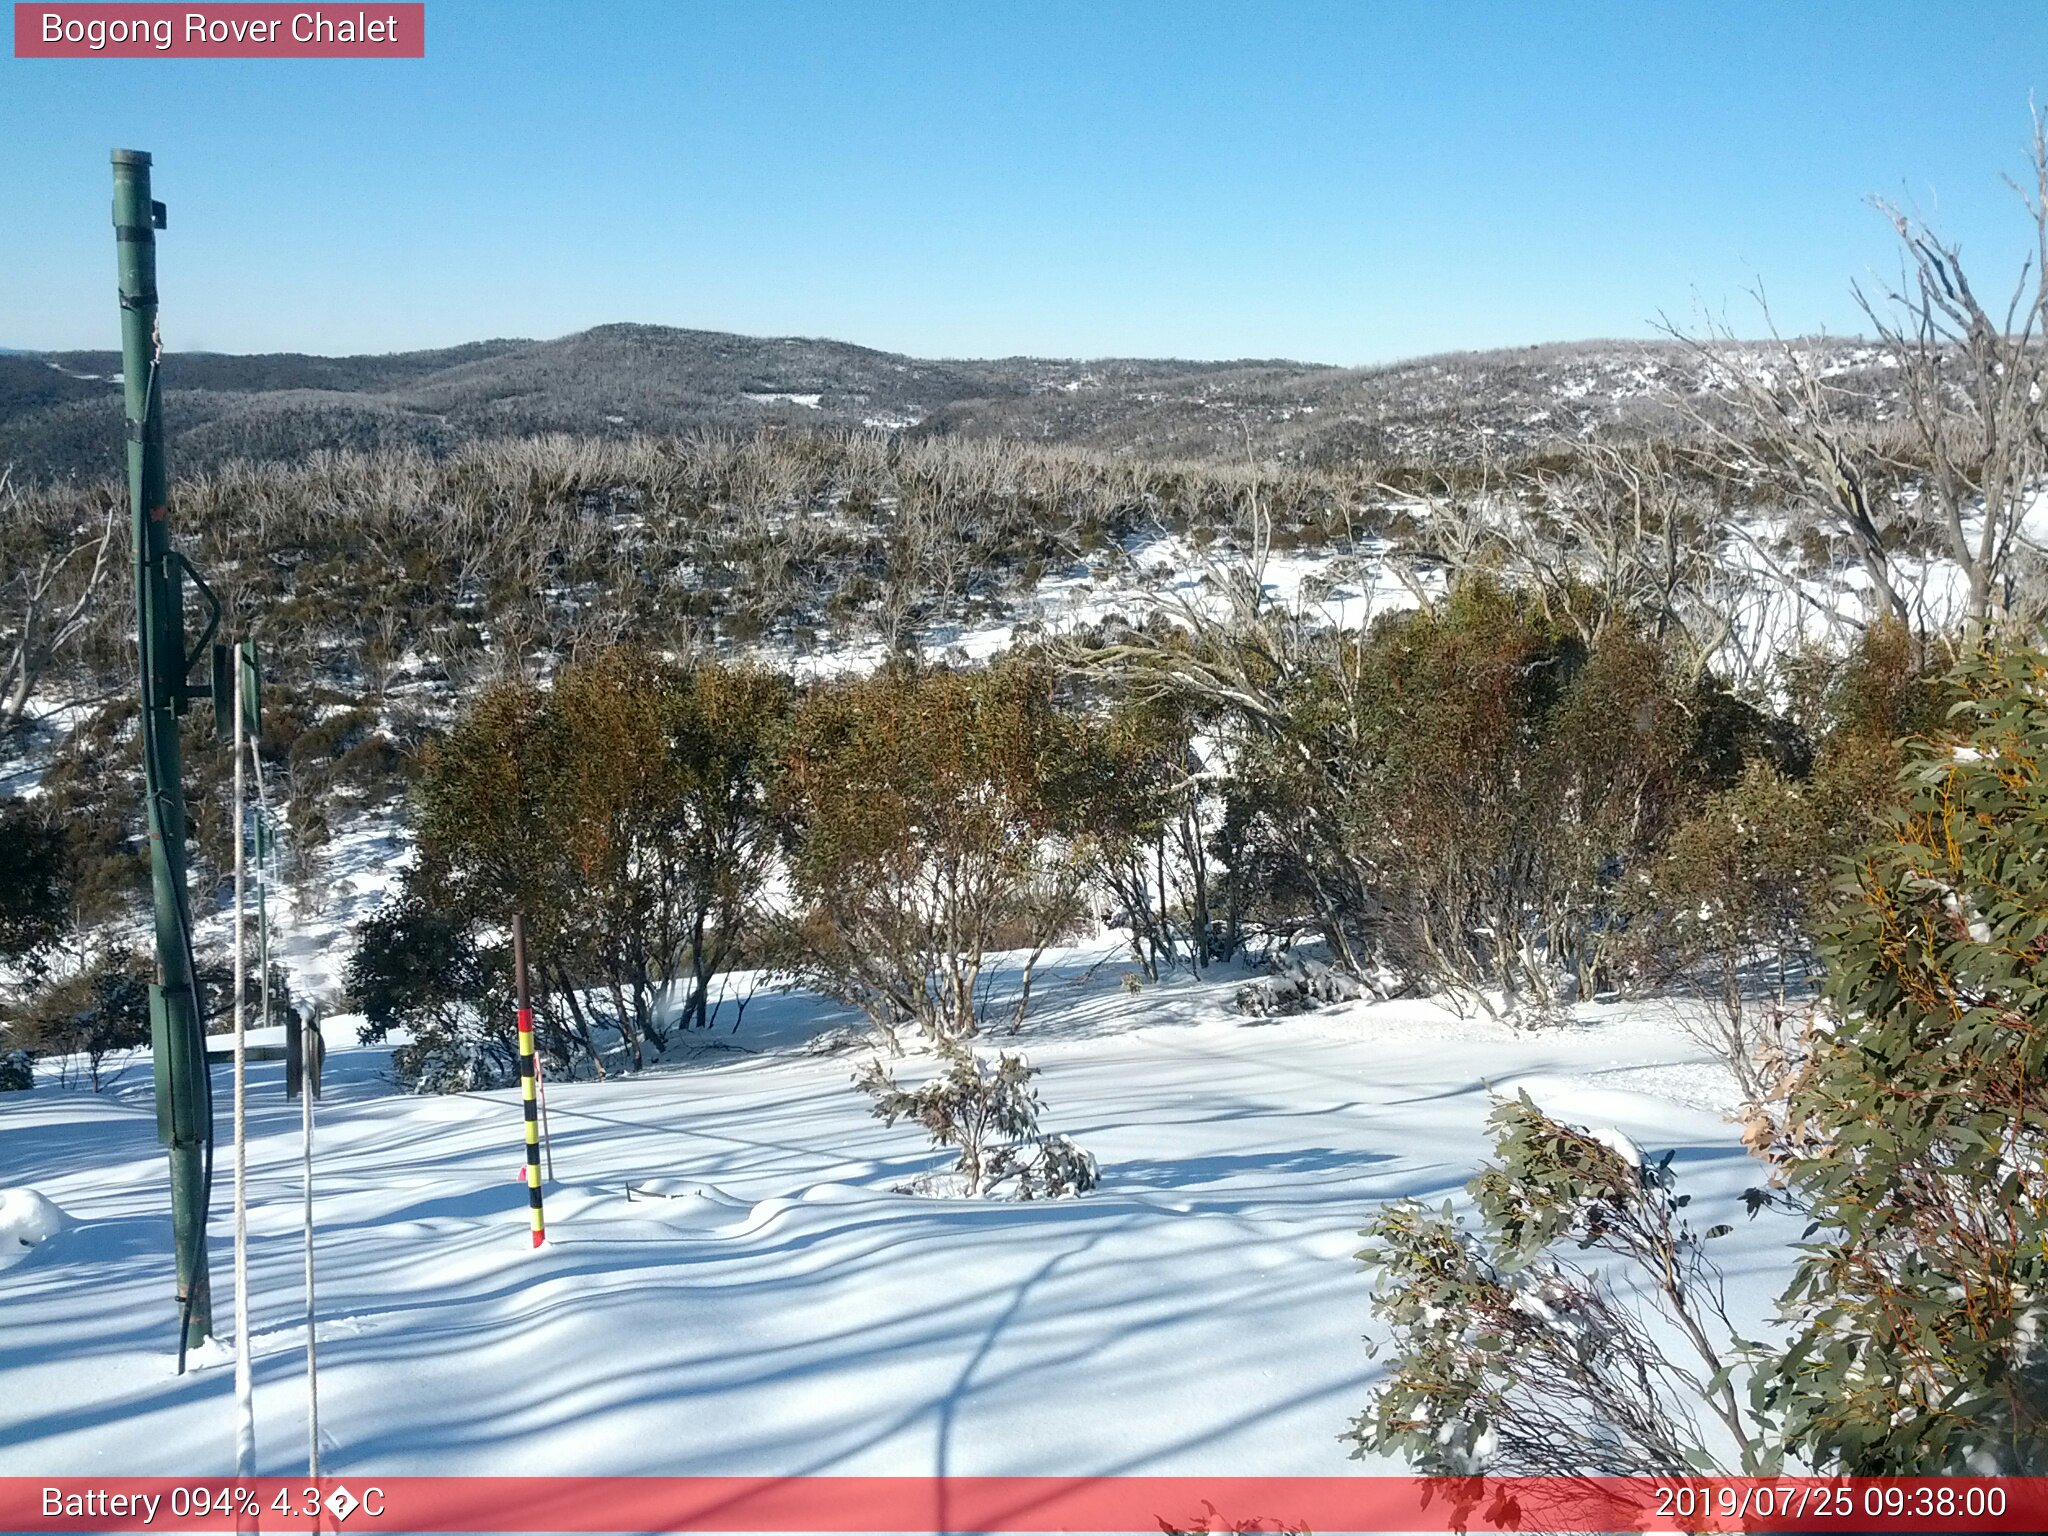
1916	1131
1508	1359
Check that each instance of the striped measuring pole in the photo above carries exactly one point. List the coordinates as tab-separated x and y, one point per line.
528	1080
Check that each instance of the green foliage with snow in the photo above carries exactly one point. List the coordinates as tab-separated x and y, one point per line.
34	883
1916	1133
1510	1359
988	1109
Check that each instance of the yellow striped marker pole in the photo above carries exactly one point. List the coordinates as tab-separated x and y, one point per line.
527	1080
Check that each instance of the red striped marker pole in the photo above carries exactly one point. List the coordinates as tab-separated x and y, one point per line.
527	1080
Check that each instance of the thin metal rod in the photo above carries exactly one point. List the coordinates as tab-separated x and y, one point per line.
547	1140
245	1390
309	1044
306	1061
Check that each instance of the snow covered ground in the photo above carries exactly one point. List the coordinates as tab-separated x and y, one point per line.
767	1303
1164	573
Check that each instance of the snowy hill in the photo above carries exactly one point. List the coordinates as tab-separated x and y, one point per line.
60	412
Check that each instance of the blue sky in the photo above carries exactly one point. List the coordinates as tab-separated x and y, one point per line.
1344	183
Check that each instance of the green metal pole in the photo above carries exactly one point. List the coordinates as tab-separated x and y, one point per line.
177	1033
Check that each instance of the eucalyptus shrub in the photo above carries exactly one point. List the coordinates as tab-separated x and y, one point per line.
1497	776
988	1109
1913	1135
1916	1132
34	885
1511	1360
931	820
425	972
1737	899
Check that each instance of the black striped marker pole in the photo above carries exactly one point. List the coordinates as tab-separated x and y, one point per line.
527	1064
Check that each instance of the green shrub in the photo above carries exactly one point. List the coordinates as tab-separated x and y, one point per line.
1152	847
35	883
624	813
1916	1133
91	1013
1459	791
989	1111
424	972
1913	1135
1512	1360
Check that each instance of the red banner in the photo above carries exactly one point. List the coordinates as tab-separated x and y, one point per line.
1148	1505
237	31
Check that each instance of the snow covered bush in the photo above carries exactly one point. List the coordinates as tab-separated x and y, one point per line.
989	1110
1511	1360
28	1218
1299	983
423	972
17	1071
87	1015
1915	1134
930	822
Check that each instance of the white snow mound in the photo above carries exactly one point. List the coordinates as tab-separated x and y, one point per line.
208	1354
689	1203
27	1218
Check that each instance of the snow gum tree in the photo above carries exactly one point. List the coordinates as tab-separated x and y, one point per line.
625	812
51	579
1513	768
665	813
1735	908
1959	465
931	821
99	1008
